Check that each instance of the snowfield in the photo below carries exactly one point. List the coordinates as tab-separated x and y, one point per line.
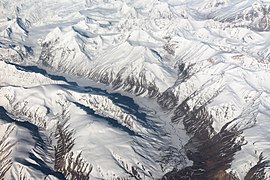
124	89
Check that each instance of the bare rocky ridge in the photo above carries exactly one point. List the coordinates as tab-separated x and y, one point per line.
255	17
132	84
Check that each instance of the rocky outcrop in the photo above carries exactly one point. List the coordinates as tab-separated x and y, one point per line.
255	17
136	84
210	152
259	171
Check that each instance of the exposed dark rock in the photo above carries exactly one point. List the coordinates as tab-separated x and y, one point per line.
137	85
258	172
180	111
256	19
210	152
72	166
46	56
5	149
168	100
184	72
189	173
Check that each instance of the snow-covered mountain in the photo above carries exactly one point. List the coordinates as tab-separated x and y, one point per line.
124	89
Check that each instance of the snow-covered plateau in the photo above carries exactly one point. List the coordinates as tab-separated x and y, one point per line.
135	89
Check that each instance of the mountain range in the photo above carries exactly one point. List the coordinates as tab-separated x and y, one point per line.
124	89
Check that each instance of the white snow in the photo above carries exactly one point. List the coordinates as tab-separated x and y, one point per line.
224	42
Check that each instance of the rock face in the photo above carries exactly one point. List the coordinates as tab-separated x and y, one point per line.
194	74
255	16
211	153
